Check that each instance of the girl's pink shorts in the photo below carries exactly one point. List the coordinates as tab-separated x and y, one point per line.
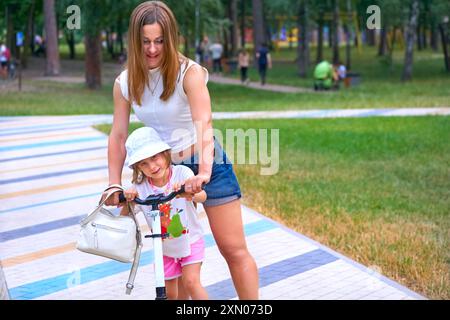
173	266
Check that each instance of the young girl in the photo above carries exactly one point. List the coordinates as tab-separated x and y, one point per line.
183	250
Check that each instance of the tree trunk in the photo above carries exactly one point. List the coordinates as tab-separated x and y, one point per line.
424	37
391	50
336	32
267	31
233	28
93	60
410	40
70	38
51	39
302	40
330	35
258	24
319	56
243	23
419	35
348	32
10	33
370	37
434	42
290	36
92	27
119	34
186	43
383	39
109	43
444	38
226	43
27	43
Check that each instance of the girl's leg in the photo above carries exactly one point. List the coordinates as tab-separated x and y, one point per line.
191	282
228	231
182	293
172	289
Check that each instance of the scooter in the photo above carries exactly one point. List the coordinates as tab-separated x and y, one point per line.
154	200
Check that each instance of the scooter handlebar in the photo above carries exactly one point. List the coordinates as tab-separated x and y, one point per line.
154	199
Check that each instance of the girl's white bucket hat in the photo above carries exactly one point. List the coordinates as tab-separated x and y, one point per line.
143	143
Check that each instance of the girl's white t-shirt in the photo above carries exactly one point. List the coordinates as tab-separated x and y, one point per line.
175	247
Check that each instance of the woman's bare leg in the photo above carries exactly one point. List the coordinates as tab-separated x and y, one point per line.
228	231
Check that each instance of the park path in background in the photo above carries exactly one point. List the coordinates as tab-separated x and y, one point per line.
53	171
257	85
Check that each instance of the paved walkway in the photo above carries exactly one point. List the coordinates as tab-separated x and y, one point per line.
53	171
257	85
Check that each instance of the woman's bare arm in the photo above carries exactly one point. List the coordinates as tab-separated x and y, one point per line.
116	141
200	102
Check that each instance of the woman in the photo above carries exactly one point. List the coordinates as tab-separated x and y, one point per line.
168	92
243	61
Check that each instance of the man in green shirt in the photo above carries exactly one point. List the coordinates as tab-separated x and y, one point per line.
324	76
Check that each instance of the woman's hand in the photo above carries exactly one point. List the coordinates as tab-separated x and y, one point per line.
113	200
130	194
194	184
187	195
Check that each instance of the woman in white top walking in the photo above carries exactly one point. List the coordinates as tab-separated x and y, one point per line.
244	60
168	92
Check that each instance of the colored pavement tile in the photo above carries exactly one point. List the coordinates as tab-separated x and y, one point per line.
47	199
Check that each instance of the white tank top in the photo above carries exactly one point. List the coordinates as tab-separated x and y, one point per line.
172	119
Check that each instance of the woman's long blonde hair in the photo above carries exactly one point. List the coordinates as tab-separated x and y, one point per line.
147	13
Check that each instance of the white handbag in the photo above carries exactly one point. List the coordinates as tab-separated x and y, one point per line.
116	237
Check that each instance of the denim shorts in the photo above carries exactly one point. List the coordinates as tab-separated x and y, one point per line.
223	186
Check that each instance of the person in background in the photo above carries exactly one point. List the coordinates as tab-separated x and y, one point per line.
205	49
243	61
341	71
325	76
5	55
216	54
264	61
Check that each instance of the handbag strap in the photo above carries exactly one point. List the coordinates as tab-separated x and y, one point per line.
111	192
137	254
101	203
139	244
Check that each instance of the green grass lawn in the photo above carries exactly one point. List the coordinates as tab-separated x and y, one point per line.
55	98
374	189
379	89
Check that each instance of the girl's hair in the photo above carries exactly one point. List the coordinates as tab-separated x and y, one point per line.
138	175
148	13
